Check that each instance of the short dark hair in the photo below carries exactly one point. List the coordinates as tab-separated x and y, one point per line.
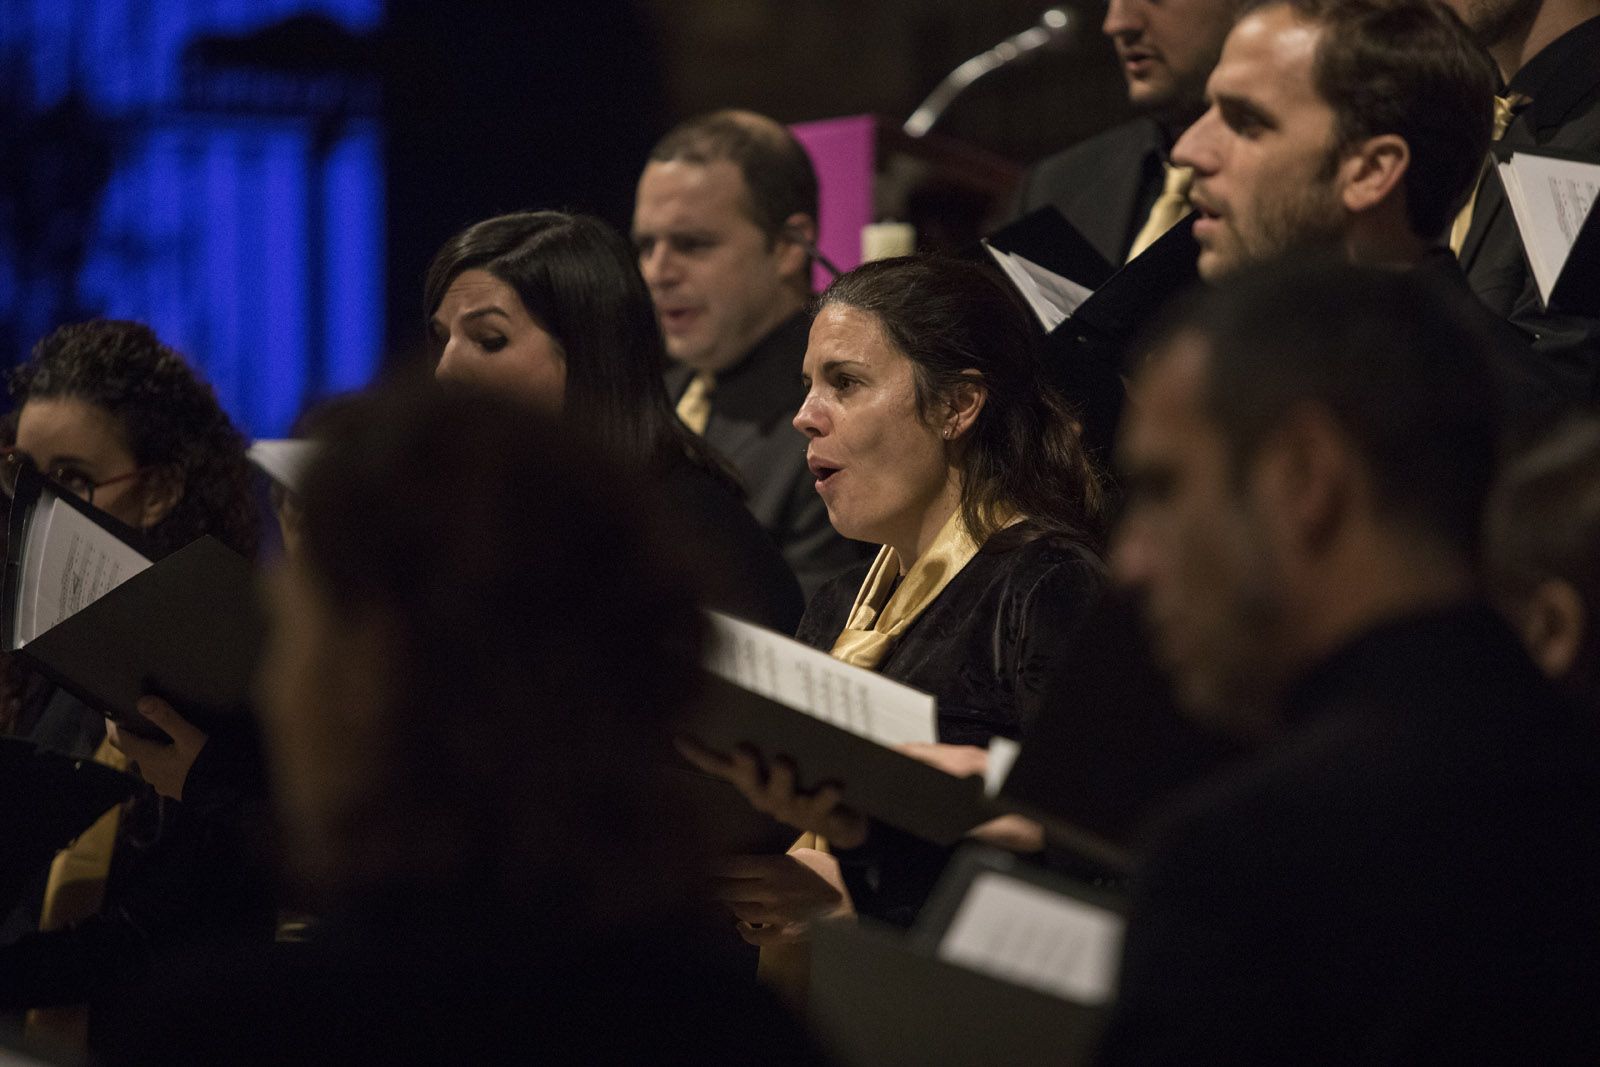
1392	356
949	318
1543	518
543	650
579	280
778	176
1411	68
169	418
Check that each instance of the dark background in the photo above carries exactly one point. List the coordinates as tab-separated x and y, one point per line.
264	181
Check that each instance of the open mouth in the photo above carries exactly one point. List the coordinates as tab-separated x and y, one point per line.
676	318
822	471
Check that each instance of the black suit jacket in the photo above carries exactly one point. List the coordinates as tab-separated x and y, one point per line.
751	426
1104	186
1564	82
1407	876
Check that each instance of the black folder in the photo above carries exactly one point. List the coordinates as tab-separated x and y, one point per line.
1084	355
1577	288
1045	237
31	489
889	786
925	1010
188	629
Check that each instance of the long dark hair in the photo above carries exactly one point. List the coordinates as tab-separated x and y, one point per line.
169	418
579	280
526	600
958	323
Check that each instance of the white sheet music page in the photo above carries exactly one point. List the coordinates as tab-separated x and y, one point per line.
1053	297
285	461
1550	199
800	677
1027	935
68	562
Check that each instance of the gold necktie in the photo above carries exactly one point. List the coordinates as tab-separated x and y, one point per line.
1170	206
694	407
1505	109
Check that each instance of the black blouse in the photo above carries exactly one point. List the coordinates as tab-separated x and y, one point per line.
987	648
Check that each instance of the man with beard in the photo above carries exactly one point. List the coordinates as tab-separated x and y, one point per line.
1355	125
1548	52
1351	128
1118	188
1404	872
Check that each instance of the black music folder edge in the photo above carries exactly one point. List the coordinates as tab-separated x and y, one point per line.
887	785
187	628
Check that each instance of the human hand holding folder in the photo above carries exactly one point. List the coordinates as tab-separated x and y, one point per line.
164	766
776	898
834	728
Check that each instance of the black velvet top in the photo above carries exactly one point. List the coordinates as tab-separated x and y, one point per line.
987	648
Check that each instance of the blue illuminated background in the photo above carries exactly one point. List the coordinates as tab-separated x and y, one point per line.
238	210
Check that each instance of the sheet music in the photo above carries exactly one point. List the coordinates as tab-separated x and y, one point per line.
1052	296
1030	936
285	461
68	562
800	677
1550	199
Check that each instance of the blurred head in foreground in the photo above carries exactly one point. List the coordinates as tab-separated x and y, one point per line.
1307	453
465	698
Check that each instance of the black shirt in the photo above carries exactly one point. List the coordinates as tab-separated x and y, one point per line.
1408	875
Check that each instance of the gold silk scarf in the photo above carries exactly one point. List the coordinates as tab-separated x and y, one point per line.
883	611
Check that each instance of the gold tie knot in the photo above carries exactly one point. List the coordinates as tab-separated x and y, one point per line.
1177	183
694	407
1506	108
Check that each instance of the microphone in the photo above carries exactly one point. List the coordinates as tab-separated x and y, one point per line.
1055	28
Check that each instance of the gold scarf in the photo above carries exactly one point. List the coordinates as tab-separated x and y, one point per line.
879	616
881	613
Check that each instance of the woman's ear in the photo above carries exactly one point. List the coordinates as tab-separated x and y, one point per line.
163	489
963	403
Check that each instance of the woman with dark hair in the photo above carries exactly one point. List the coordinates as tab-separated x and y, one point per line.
108	412
485	899
931	434
551	307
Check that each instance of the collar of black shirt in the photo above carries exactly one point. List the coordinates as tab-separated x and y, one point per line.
1456	658
1561	75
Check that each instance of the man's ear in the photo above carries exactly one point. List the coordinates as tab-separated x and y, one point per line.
1373	171
1553	621
963	404
1308	477
163	488
794	244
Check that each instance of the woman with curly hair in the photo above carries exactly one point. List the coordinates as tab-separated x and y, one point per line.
106	411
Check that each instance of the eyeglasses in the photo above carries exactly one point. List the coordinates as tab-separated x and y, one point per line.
13	459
